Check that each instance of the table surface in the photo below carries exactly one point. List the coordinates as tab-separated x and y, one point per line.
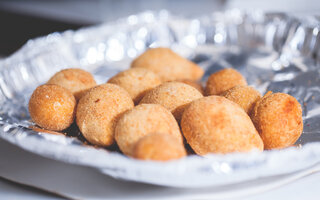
305	188
82	182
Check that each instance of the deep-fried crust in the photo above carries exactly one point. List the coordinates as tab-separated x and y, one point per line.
143	120
78	81
99	109
159	146
223	80
175	96
168	65
52	107
244	96
215	124
136	81
278	119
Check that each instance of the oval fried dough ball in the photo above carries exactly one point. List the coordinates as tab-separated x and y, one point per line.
174	96
168	65
215	124
52	107
78	81
278	119
244	96
137	82
143	120
158	146
223	80
98	111
194	84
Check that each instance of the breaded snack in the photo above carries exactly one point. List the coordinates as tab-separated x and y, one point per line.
215	124
158	146
223	80
278	119
168	65
194	84
143	120
244	96
175	96
136	81
52	107
99	109
76	80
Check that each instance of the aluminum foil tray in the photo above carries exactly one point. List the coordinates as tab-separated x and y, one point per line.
274	51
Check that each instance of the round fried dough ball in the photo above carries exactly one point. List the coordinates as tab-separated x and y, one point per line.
143	120
158	146
168	65
223	80
215	124
52	107
137	82
175	96
244	96
78	81
278	119
194	84
99	109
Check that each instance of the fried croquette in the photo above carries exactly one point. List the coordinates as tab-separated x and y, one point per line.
78	81
223	80
52	107
244	96
136	81
215	124
175	96
143	120
158	146
278	119
194	84
98	111
168	65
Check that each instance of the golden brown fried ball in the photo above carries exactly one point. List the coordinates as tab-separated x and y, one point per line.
52	107
278	119
168	65
175	96
223	80
143	120
194	84
215	124
137	82
78	81
158	146
244	96
98	111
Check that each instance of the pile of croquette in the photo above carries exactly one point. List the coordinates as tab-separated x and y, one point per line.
159	110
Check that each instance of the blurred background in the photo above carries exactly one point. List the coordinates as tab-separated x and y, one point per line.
21	20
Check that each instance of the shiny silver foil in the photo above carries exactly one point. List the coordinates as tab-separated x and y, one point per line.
274	51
